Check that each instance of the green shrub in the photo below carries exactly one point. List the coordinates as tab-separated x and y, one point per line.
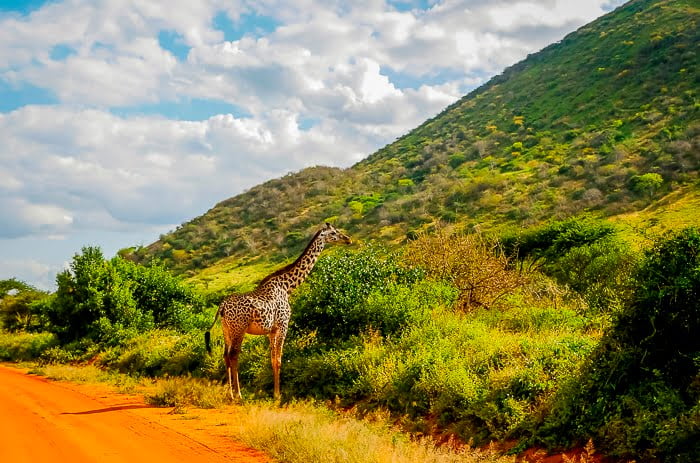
646	184
554	239
638	395
332	301
111	301
159	352
601	271
17	347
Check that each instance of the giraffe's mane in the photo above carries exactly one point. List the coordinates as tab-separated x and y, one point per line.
287	267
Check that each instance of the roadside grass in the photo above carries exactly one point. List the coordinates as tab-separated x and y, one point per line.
18	347
186	391
294	432
89	374
302	431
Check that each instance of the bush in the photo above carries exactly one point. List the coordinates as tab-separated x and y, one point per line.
601	271
638	395
17	347
159	352
476	266
332	303
111	301
585	255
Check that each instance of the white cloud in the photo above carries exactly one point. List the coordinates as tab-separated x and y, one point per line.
21	217
39	274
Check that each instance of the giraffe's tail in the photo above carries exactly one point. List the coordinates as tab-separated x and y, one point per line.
207	334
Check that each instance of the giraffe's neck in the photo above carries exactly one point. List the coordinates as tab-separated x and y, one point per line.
294	274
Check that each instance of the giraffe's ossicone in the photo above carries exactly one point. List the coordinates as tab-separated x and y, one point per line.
266	310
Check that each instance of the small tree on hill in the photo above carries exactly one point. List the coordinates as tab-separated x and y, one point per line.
475	265
646	184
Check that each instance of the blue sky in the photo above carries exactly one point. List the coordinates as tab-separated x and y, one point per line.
122	119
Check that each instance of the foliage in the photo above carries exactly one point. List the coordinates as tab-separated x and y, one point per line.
556	238
476	266
332	303
585	254
19	347
602	272
646	183
158	353
109	301
16	301
638	395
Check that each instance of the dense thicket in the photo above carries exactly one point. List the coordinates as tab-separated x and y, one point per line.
110	300
639	394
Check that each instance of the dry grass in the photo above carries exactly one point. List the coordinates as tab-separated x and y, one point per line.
88	374
303	432
182	391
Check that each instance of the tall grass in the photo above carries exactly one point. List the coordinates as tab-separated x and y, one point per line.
184	391
88	374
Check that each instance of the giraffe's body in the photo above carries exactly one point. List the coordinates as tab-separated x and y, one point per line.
266	310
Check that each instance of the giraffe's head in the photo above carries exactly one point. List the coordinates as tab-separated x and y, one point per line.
330	234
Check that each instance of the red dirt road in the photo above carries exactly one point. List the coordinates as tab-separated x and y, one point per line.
42	420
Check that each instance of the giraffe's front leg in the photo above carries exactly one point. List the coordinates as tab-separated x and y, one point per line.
276	344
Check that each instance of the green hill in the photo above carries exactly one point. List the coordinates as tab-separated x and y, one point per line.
603	122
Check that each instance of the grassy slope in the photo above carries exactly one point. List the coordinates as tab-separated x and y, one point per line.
568	130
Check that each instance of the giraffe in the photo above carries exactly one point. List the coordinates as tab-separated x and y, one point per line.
266	310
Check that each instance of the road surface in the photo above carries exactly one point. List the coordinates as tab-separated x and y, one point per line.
42	420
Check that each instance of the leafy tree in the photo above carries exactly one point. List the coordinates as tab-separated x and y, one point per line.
92	300
107	301
646	184
159	294
16	302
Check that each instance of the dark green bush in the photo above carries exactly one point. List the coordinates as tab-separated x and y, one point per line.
601	271
638	396
332	303
18	347
584	254
159	352
553	240
111	301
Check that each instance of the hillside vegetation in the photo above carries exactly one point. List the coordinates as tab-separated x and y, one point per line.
604	121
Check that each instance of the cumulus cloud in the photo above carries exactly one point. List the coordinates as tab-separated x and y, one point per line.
39	274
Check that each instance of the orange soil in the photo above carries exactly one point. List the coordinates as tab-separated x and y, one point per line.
42	420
